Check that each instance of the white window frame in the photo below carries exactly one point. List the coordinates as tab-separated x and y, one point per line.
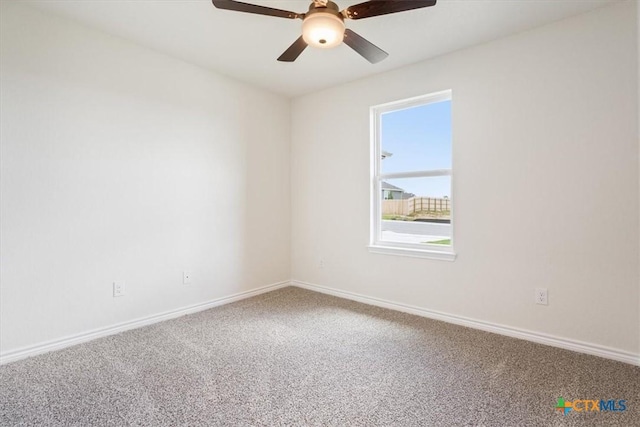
376	244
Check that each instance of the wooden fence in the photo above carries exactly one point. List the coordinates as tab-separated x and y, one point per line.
415	204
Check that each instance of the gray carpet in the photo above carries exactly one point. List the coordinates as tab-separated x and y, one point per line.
294	357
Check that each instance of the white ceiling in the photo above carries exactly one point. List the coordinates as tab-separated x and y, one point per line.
246	46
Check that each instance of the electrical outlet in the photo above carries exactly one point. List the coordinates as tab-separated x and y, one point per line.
186	277
118	289
541	296
321	263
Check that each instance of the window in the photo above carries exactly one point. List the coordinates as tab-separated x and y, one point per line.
411	200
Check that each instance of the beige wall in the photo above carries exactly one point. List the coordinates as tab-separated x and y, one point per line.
119	163
544	136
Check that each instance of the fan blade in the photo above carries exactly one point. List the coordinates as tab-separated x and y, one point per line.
384	7
292	53
364	47
254	8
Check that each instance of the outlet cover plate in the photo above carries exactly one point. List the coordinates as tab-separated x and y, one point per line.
118	289
542	297
186	277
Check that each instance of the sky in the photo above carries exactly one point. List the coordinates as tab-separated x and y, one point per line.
419	139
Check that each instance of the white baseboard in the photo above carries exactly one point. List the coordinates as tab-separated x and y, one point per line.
578	346
567	344
22	353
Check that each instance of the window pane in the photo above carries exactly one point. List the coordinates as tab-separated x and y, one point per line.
417	138
416	210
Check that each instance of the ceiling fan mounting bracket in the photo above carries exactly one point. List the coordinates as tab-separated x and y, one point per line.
329	7
318	3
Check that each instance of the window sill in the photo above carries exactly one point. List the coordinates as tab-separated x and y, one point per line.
413	253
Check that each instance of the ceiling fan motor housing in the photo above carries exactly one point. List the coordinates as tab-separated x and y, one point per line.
323	27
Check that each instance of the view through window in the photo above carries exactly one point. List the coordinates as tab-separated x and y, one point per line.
412	173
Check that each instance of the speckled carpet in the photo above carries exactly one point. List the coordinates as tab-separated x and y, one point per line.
299	358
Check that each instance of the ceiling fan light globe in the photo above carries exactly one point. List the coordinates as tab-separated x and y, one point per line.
323	30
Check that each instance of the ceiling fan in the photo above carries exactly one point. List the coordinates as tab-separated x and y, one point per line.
323	24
